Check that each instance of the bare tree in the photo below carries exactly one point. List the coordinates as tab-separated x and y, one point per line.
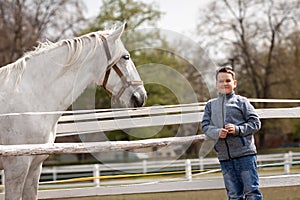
247	33
250	34
24	22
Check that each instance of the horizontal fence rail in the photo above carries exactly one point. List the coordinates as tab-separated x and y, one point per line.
92	147
99	120
148	117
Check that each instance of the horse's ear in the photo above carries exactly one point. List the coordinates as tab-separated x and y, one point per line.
118	32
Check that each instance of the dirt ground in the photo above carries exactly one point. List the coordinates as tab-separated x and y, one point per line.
275	193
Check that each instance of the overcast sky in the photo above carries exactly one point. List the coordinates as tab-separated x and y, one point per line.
180	15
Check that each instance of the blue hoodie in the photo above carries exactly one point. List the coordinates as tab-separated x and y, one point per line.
233	109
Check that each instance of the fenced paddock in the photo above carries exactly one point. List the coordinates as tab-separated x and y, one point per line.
94	121
276	164
113	174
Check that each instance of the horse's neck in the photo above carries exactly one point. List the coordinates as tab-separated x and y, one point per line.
48	85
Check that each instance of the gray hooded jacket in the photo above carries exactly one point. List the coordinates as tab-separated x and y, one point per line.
237	110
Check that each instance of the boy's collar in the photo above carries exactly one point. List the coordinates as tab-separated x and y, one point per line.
227	95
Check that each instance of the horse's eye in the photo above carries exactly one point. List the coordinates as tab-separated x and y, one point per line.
126	57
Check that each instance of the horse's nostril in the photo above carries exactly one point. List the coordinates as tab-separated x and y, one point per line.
138	99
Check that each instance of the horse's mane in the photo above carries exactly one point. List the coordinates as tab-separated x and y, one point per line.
75	46
48	45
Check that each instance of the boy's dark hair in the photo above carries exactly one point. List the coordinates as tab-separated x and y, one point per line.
225	69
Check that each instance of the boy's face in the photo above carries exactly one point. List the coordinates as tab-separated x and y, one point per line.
225	83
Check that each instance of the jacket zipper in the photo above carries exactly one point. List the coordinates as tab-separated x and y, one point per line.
223	118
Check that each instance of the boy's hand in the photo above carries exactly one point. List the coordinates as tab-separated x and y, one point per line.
223	133
230	128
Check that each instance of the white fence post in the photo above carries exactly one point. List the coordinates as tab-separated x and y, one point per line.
96	174
144	163
291	158
201	164
54	173
188	170
287	163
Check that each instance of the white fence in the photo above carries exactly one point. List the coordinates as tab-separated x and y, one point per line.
282	162
106	120
95	121
82	122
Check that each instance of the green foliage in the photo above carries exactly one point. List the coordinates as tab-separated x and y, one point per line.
134	12
168	78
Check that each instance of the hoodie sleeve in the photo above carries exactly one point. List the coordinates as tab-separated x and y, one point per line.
252	122
208	128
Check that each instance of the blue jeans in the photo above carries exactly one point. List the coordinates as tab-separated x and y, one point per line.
241	178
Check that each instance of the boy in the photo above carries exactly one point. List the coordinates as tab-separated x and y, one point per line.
231	121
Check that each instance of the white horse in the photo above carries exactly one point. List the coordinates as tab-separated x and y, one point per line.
49	79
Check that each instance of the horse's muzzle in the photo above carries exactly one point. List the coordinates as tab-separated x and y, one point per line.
138	97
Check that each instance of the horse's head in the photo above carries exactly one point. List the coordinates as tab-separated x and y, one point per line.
121	78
